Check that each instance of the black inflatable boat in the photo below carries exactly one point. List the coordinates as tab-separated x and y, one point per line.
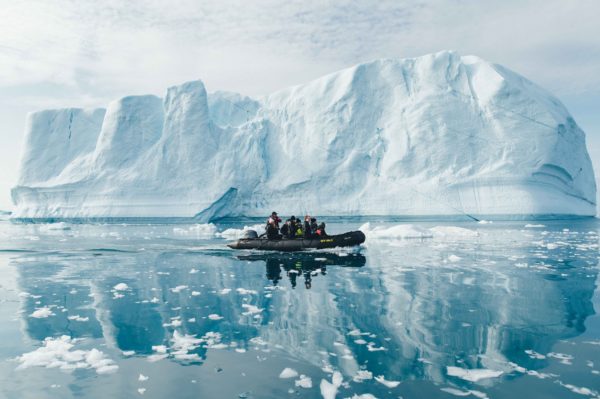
300	244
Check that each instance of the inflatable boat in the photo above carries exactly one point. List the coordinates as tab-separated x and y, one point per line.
299	244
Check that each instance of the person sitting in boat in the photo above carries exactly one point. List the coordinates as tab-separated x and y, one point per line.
297	227
307	229
287	230
321	230
273	227
313	225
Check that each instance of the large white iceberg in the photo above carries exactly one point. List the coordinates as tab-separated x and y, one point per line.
441	134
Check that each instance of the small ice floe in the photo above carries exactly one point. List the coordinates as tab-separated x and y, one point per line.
390	384
562	357
174	323
534	355
154	300
42	313
243	291
60	226
534	226
128	353
329	389
372	348
225	291
402	231
58	353
234	234
192	320
195	293
288	373
472	375
141	391
452	232
551	245
142	377
193	271
198	230
121	287
214	316
363	396
183	344
251	309
303	382
78	318
579	390
458	392
362	375
179	288
360	341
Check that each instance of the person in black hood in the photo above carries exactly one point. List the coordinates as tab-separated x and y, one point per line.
313	225
307	228
287	230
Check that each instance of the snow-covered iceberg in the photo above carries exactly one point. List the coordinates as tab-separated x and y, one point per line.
441	134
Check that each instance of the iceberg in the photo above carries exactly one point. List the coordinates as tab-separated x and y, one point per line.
441	134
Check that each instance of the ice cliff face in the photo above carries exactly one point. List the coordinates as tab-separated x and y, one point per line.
441	134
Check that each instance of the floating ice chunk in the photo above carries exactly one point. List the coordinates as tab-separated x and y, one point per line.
288	373
303	382
401	231
58	353
387	383
195	293
78	318
534	355
472	375
579	390
453	258
458	392
562	357
225	291
42	313
363	396
362	375
128	353
121	287
159	348
329	389
243	291
234	234
178	289
141	390
532	226
251	309
452	231
193	271
54	227
183	343
198	230
214	316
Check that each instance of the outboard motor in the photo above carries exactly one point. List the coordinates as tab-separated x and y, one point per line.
249	234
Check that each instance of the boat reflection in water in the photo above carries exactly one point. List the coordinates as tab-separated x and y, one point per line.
307	265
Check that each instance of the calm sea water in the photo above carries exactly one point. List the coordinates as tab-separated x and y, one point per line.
500	310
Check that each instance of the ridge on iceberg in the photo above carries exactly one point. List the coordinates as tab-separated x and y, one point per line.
441	134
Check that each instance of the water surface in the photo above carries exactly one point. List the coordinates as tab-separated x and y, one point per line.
498	310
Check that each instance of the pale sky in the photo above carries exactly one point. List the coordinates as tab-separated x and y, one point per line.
72	53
